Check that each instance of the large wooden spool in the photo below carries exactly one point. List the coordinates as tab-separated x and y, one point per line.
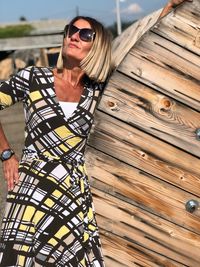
143	153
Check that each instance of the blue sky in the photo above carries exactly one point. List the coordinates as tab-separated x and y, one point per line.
103	10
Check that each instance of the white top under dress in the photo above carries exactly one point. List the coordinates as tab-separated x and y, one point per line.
68	107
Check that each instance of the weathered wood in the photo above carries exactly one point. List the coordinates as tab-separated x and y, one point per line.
127	221
45	34
122	44
44	57
31	42
182	26
119	252
146	152
141	189
153	112
160	64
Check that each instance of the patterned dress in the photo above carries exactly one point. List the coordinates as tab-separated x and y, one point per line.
49	218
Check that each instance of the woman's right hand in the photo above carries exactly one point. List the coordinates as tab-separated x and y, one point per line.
10	171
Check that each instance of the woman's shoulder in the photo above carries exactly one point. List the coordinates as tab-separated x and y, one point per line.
30	70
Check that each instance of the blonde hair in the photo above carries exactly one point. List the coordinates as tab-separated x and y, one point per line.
97	63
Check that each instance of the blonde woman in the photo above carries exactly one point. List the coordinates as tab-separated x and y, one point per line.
49	218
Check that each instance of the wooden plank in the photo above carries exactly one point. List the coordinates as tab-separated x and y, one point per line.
182	26
125	41
140	189
152	112
31	42
162	78
188	12
120	253
146	152
177	69
144	231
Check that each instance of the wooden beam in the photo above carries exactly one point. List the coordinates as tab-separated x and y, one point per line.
31	42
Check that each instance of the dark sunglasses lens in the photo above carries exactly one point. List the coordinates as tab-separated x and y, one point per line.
86	35
72	30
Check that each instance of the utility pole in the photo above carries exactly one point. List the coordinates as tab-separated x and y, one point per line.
119	26
77	11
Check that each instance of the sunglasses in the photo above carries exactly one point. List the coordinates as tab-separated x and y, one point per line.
85	34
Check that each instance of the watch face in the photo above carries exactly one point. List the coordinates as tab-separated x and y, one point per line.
6	154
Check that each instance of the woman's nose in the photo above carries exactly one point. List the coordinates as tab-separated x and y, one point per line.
75	36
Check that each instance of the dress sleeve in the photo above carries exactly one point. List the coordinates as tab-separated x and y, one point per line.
15	89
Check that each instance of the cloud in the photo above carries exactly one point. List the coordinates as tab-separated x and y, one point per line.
132	9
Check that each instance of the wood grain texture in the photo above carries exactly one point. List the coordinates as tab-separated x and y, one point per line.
140	188
182	26
123	43
153	112
31	42
165	67
146	152
126	223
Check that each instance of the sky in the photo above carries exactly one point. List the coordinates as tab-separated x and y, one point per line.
103	10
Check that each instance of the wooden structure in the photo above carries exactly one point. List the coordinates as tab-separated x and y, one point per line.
143	154
46	34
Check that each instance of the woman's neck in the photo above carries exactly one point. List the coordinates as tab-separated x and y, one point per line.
74	75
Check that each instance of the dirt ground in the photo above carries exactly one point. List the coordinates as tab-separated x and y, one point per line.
3	191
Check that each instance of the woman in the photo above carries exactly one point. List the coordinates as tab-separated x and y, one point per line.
49	218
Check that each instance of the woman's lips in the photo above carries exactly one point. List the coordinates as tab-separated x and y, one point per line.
73	45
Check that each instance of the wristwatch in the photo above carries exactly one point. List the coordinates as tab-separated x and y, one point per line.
6	154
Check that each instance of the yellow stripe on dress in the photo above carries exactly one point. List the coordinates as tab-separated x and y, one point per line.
5	99
35	95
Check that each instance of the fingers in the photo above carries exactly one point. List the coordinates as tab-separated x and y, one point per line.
11	175
175	3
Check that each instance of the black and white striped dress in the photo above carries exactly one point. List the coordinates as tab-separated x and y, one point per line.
49	218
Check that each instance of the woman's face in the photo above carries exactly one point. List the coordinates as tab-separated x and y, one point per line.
74	48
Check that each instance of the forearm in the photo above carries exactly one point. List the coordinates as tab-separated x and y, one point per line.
4	144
